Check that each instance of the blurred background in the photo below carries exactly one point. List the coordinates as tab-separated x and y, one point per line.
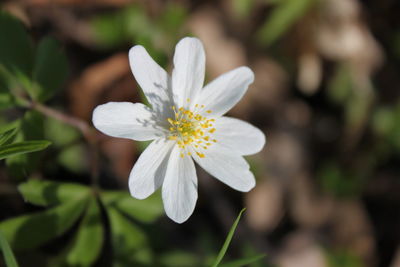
326	94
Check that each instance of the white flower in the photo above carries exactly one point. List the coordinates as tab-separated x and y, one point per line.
186	122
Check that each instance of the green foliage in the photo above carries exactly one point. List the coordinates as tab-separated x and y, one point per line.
73	158
49	193
89	239
132	25
50	70
22	148
340	182
178	258
284	15
66	202
7	136
66	139
23	68
146	210
130	244
342	258
30	128
386	124
33	230
16	52
7	252
243	8
244	261
340	85
59	133
228	240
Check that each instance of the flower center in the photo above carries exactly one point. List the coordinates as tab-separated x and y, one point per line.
189	128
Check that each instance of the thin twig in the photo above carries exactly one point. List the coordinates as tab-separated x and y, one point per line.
81	125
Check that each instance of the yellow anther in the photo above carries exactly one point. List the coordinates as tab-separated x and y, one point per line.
201	155
182	155
188	128
188	100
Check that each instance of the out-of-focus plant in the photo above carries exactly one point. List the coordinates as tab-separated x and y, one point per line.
133	25
29	74
7	252
284	14
8	149
66	203
222	252
341	258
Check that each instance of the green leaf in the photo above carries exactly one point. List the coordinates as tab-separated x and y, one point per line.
59	133
31	126
7	252
282	18
244	261
22	147
179	258
44	193
89	240
228	239
7	136
50	70
6	98
242	9
16	51
146	210
73	158
130	243
33	230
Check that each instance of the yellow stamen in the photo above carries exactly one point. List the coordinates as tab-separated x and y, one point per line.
189	128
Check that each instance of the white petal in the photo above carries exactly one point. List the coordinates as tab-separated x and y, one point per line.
188	73
127	120
179	190
149	171
224	92
228	167
238	136
154	80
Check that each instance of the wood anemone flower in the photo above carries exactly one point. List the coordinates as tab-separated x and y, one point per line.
186	122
